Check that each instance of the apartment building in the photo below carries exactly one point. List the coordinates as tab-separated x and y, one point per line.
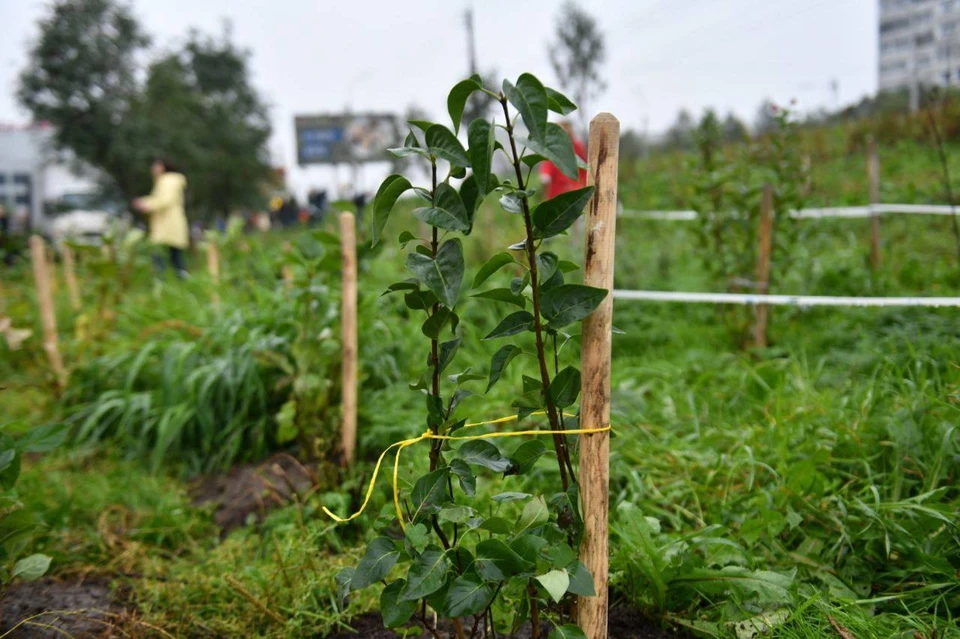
919	43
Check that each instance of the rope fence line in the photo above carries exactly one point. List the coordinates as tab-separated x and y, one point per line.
845	212
802	301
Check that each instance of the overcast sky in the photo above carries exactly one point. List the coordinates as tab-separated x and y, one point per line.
315	56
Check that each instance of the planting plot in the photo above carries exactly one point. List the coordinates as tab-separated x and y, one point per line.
805	489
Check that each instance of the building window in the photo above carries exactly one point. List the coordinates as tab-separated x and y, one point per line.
896	24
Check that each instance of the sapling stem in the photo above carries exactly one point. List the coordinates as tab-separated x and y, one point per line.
560	443
945	166
436	444
534	611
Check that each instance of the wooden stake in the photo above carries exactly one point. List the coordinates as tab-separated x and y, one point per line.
600	230
348	328
287	271
762	277
70	274
873	174
213	268
41	276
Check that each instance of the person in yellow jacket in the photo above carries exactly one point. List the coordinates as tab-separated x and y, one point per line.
164	208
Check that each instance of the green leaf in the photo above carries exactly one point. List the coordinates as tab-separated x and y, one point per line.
468	481
420	300
497	526
447	352
442	143
449	213
567	631
457	100
471	197
496	561
380	557
429	493
457	514
423	125
468	595
406	285
503	295
570	303
560	555
31	568
9	462
443	275
766	586
566	266
558	214
565	387
547	265
395	612
511	325
434	325
555	583
493	265
581	581
526	455
511	203
343	580
559	103
558	148
43	439
387	195
406	151
532	159
530	99
481	138
534	513
479	452
418	536
427	575
555	280
504	498
499	362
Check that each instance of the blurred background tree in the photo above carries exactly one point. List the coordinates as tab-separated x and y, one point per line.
195	106
577	55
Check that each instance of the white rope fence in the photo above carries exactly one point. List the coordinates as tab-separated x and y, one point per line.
784	300
848	212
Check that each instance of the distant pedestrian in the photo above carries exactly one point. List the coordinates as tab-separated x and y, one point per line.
164	208
554	180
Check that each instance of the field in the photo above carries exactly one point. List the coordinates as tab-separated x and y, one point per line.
808	489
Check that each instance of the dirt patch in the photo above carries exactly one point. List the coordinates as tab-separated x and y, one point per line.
247	493
53	608
625	623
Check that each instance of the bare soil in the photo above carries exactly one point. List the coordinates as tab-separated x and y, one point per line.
625	623
53	608
245	494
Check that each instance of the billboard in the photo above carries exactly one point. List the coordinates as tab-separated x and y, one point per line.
345	138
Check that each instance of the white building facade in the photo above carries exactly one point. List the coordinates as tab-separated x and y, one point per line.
919	43
31	173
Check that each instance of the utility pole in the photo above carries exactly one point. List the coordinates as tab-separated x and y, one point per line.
471	43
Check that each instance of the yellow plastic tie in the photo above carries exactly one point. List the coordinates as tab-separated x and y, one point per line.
405	443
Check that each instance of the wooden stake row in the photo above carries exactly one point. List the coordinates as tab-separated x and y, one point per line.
762	276
873	175
48	316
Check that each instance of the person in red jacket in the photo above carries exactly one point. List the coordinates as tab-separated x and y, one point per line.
554	181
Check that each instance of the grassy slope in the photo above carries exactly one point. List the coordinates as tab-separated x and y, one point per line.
832	454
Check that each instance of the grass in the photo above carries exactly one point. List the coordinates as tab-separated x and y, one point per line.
811	486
